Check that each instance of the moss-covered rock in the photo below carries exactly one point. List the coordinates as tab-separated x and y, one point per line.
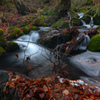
1	32
2	51
98	28
12	46
87	18
90	12
34	28
76	21
39	21
54	38
26	29
94	44
61	23
96	19
16	32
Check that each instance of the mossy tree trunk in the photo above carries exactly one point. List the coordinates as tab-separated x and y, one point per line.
21	8
62	8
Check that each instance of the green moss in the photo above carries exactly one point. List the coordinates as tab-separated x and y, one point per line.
39	21
76	21
16	32
2	51
1	32
2	41
61	23
45	11
98	28
94	44
90	12
34	28
26	29
11	29
12	46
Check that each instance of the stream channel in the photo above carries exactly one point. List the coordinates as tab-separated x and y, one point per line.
88	62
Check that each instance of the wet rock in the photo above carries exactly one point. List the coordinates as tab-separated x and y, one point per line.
54	38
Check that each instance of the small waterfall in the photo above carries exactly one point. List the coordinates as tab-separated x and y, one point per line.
91	22
88	26
80	15
84	23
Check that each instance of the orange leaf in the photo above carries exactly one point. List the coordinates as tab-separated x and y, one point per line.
45	88
66	48
30	67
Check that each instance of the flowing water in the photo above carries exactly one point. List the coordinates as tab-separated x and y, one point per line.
88	62
88	26
28	48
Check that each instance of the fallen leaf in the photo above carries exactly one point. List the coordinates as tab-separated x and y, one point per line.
30	67
16	55
66	92
45	88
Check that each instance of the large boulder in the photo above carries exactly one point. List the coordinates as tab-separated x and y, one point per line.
54	38
61	23
94	44
76	21
86	18
12	46
15	33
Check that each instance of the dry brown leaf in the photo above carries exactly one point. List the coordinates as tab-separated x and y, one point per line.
66	92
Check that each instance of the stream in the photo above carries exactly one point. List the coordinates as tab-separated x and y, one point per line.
88	62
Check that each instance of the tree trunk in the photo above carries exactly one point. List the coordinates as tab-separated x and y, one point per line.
21	8
62	8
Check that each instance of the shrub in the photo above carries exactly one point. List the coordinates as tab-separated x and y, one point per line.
26	29
1	32
2	51
94	44
12	46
